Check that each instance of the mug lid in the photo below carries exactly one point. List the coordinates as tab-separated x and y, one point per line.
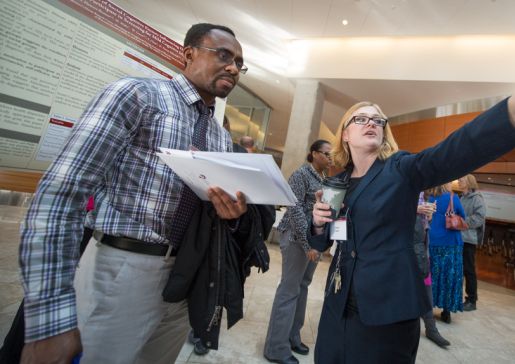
334	183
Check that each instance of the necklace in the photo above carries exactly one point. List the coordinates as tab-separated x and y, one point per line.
320	175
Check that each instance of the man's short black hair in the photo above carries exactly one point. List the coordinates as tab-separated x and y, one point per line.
197	32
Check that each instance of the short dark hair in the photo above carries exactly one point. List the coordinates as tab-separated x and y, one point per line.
315	147
197	32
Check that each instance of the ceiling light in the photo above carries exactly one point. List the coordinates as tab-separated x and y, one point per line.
345	22
277	81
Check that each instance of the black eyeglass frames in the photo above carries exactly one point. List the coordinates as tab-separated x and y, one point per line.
327	154
364	120
226	57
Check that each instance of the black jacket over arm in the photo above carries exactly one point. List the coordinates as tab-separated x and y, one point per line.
379	256
213	263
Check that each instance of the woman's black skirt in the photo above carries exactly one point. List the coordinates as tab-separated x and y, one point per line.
347	340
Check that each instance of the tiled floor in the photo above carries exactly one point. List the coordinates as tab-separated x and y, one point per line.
483	336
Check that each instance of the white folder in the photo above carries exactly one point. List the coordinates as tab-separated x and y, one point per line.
256	175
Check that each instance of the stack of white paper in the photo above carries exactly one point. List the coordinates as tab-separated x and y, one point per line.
256	175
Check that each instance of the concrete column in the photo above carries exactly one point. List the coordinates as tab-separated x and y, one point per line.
304	124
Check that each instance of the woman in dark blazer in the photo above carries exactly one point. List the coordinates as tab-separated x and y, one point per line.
371	316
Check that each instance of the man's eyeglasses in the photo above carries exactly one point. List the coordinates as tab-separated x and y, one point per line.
364	120
327	154
226	57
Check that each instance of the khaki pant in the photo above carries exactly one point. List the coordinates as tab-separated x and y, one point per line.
122	316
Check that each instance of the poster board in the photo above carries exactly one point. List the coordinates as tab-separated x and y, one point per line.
54	57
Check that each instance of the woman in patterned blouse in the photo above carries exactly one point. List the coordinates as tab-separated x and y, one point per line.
298	260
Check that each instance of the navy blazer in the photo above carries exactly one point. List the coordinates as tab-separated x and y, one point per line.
378	256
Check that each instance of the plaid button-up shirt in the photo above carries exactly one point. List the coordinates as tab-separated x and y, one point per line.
111	155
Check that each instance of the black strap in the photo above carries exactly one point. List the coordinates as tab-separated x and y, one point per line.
133	245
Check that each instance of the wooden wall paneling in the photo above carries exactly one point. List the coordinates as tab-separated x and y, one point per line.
426	133
19	181
401	135
453	122
508	157
498	167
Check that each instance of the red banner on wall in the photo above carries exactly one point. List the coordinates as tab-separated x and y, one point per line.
118	20
66	124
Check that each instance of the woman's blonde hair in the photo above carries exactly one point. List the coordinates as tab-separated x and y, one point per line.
471	182
341	151
437	191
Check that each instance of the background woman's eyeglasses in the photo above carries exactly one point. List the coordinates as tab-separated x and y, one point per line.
327	154
364	120
226	57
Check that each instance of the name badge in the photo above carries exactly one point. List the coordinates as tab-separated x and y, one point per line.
338	229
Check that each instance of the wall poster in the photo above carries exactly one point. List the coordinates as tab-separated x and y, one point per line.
54	57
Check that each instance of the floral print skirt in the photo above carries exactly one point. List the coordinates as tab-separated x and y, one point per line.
447	276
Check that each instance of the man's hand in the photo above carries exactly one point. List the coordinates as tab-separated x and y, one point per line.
225	206
59	349
313	255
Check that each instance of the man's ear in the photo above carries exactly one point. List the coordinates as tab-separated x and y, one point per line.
187	55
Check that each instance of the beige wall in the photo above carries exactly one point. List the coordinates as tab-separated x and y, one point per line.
326	134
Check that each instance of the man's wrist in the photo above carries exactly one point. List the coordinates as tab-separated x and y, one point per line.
49	317
318	226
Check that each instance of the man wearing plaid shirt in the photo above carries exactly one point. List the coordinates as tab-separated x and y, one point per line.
142	210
